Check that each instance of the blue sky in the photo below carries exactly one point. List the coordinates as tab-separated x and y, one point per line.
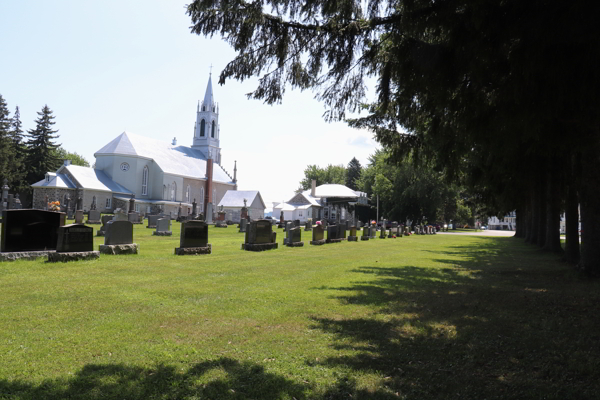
109	66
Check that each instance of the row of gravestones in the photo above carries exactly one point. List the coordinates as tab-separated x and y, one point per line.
43	231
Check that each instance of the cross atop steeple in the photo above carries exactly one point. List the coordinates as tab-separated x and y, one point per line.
210	73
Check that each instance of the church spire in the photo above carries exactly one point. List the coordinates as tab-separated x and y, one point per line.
209	101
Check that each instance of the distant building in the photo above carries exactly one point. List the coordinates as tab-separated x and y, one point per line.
507	223
233	201
320	202
161	175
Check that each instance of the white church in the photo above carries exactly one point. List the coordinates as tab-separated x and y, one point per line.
161	176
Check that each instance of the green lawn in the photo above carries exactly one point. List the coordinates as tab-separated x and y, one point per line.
420	317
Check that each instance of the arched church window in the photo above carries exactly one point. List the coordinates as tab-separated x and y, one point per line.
145	181
212	134
203	108
174	192
202	123
187	194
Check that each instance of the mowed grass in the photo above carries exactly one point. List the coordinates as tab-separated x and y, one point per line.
420	317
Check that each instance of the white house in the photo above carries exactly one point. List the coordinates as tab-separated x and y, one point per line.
233	201
161	175
320	202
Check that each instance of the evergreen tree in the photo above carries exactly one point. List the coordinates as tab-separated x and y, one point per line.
6	147
41	150
353	173
20	151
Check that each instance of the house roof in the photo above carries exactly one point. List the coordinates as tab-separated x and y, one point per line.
330	190
284	207
235	198
312	200
94	179
172	159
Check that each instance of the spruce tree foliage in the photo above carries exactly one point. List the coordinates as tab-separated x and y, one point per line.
41	148
493	90
6	147
353	175
20	151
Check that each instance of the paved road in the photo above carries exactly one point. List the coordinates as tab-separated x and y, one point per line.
480	233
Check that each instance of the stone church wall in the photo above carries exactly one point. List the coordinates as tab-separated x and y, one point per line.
39	195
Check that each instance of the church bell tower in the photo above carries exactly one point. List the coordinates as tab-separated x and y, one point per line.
206	129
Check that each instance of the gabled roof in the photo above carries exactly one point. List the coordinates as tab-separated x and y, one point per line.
94	179
172	159
284	207
235	198
312	200
56	180
330	190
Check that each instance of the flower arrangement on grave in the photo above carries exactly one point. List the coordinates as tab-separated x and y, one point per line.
54	206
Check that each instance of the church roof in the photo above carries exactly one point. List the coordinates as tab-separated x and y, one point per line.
235	198
172	159
56	180
95	179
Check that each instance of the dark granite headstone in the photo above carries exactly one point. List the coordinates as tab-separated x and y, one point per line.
332	232
75	238
30	230
294	237
193	234
352	231
243	225
259	232
318	233
296	222
118	232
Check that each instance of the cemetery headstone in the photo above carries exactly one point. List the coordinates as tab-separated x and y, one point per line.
118	238
120	215
94	205
294	237
308	225
366	235
75	242
373	232
194	207
334	234
163	227
133	217
193	239
209	213
105	218
29	234
152	221
318	235
79	216
243	224
260	236
93	217
352	236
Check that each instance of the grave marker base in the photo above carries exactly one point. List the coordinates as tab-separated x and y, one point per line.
259	247
118	248
220	225
99	233
165	233
353	238
317	242
73	256
188	251
335	240
23	255
295	244
151	226
88	222
364	238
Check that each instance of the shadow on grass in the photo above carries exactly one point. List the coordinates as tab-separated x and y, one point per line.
500	321
235	380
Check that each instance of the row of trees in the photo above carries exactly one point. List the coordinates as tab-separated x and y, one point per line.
496	92
26	157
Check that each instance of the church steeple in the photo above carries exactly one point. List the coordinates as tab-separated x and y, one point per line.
206	130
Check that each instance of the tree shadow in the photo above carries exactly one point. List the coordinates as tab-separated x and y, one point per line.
227	379
485	326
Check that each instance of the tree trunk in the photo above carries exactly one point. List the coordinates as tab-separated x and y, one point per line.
589	197
541	207
553	196
572	213
533	237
